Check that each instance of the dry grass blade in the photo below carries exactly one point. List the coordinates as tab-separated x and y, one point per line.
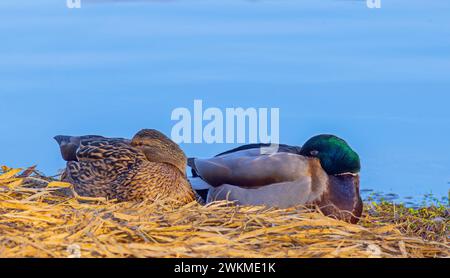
37	221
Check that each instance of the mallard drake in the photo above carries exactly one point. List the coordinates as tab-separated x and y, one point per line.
324	172
148	167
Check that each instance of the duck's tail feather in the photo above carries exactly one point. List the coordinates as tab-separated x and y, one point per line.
62	139
70	144
191	164
198	184
67	146
200	187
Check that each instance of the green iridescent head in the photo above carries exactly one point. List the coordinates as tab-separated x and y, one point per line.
335	155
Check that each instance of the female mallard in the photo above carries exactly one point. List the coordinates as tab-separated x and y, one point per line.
324	172
148	167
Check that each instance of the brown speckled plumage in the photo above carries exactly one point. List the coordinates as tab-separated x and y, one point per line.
148	167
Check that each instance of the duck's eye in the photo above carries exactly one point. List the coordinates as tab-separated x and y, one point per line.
314	153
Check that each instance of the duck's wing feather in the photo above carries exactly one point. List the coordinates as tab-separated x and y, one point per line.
69	145
250	168
281	148
104	149
100	163
281	195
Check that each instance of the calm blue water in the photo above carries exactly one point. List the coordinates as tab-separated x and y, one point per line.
378	78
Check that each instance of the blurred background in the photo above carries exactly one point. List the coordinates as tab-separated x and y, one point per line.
379	78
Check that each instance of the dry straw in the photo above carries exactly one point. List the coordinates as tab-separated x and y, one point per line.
37	220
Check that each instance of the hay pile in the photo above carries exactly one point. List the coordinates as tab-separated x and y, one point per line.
37	221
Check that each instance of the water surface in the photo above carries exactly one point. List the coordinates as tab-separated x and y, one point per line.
377	77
